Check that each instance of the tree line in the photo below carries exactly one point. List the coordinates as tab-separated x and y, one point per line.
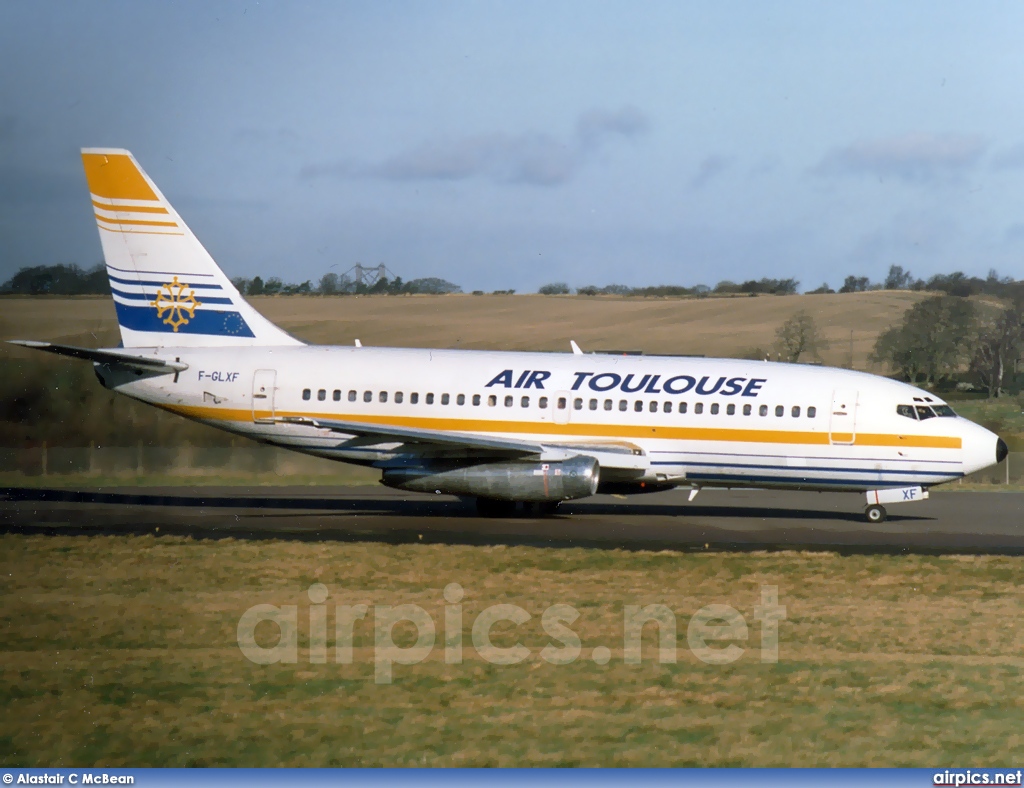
942	342
74	280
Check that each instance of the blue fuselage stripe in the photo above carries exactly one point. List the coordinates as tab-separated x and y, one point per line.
817	469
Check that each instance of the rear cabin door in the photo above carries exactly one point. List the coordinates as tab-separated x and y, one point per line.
842	425
263	387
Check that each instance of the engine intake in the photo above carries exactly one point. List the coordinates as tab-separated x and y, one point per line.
576	477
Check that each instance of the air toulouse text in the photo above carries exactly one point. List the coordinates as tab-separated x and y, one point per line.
632	383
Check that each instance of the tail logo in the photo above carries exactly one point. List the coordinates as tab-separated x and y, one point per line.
173	300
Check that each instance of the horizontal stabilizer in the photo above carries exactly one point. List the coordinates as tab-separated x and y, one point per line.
141	363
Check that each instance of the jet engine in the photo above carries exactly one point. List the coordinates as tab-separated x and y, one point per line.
576	477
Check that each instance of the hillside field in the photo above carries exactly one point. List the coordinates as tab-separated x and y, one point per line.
705	326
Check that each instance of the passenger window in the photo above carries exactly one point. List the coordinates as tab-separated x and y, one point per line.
652	406
352	395
367	396
414	398
562	403
593	404
543	403
383	396
796	411
577	404
924	412
667	407
508	401
399	396
476	399
779	410
812	412
682	407
445	399
763	410
698	408
321	395
337	395
714	408
730	409
429	399
623	404
638	406
746	410
524	402
306	393
460	400
906	410
607	404
492	401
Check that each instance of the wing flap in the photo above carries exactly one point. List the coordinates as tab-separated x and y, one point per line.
385	433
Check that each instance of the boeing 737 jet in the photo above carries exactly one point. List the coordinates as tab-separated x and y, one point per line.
510	429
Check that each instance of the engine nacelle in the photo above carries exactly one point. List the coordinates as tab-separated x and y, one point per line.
576	477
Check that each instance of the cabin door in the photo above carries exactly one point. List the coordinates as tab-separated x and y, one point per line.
842	425
263	388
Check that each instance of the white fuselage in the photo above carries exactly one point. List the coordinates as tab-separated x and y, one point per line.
667	420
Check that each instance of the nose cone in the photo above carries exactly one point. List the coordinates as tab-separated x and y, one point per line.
981	448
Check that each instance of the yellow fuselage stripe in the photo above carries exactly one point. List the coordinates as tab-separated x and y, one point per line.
588	430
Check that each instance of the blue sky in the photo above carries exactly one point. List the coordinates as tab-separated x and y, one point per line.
506	145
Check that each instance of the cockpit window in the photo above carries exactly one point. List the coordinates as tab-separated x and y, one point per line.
924	412
944	411
906	410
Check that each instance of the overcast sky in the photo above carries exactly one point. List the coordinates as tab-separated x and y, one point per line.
506	145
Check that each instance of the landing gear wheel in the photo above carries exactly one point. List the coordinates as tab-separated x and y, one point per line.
875	513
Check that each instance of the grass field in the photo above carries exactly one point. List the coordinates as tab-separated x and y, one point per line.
123	651
707	326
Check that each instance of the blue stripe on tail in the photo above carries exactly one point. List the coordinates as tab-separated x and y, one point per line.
209	322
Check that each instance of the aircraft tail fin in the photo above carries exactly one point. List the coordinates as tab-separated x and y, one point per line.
167	289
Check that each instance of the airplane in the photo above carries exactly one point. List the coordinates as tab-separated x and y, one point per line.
517	431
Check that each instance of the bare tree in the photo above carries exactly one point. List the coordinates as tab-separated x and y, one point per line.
997	349
799	336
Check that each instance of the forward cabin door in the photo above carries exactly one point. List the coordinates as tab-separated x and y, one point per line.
842	425
263	387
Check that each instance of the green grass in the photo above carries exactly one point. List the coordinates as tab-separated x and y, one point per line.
122	651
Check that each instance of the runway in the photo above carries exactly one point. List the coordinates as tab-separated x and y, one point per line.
970	522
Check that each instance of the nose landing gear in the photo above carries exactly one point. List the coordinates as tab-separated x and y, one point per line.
875	513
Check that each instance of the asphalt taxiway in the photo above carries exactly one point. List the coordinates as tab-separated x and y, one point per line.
973	522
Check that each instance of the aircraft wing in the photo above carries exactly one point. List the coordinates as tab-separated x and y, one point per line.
386	433
609	454
141	363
